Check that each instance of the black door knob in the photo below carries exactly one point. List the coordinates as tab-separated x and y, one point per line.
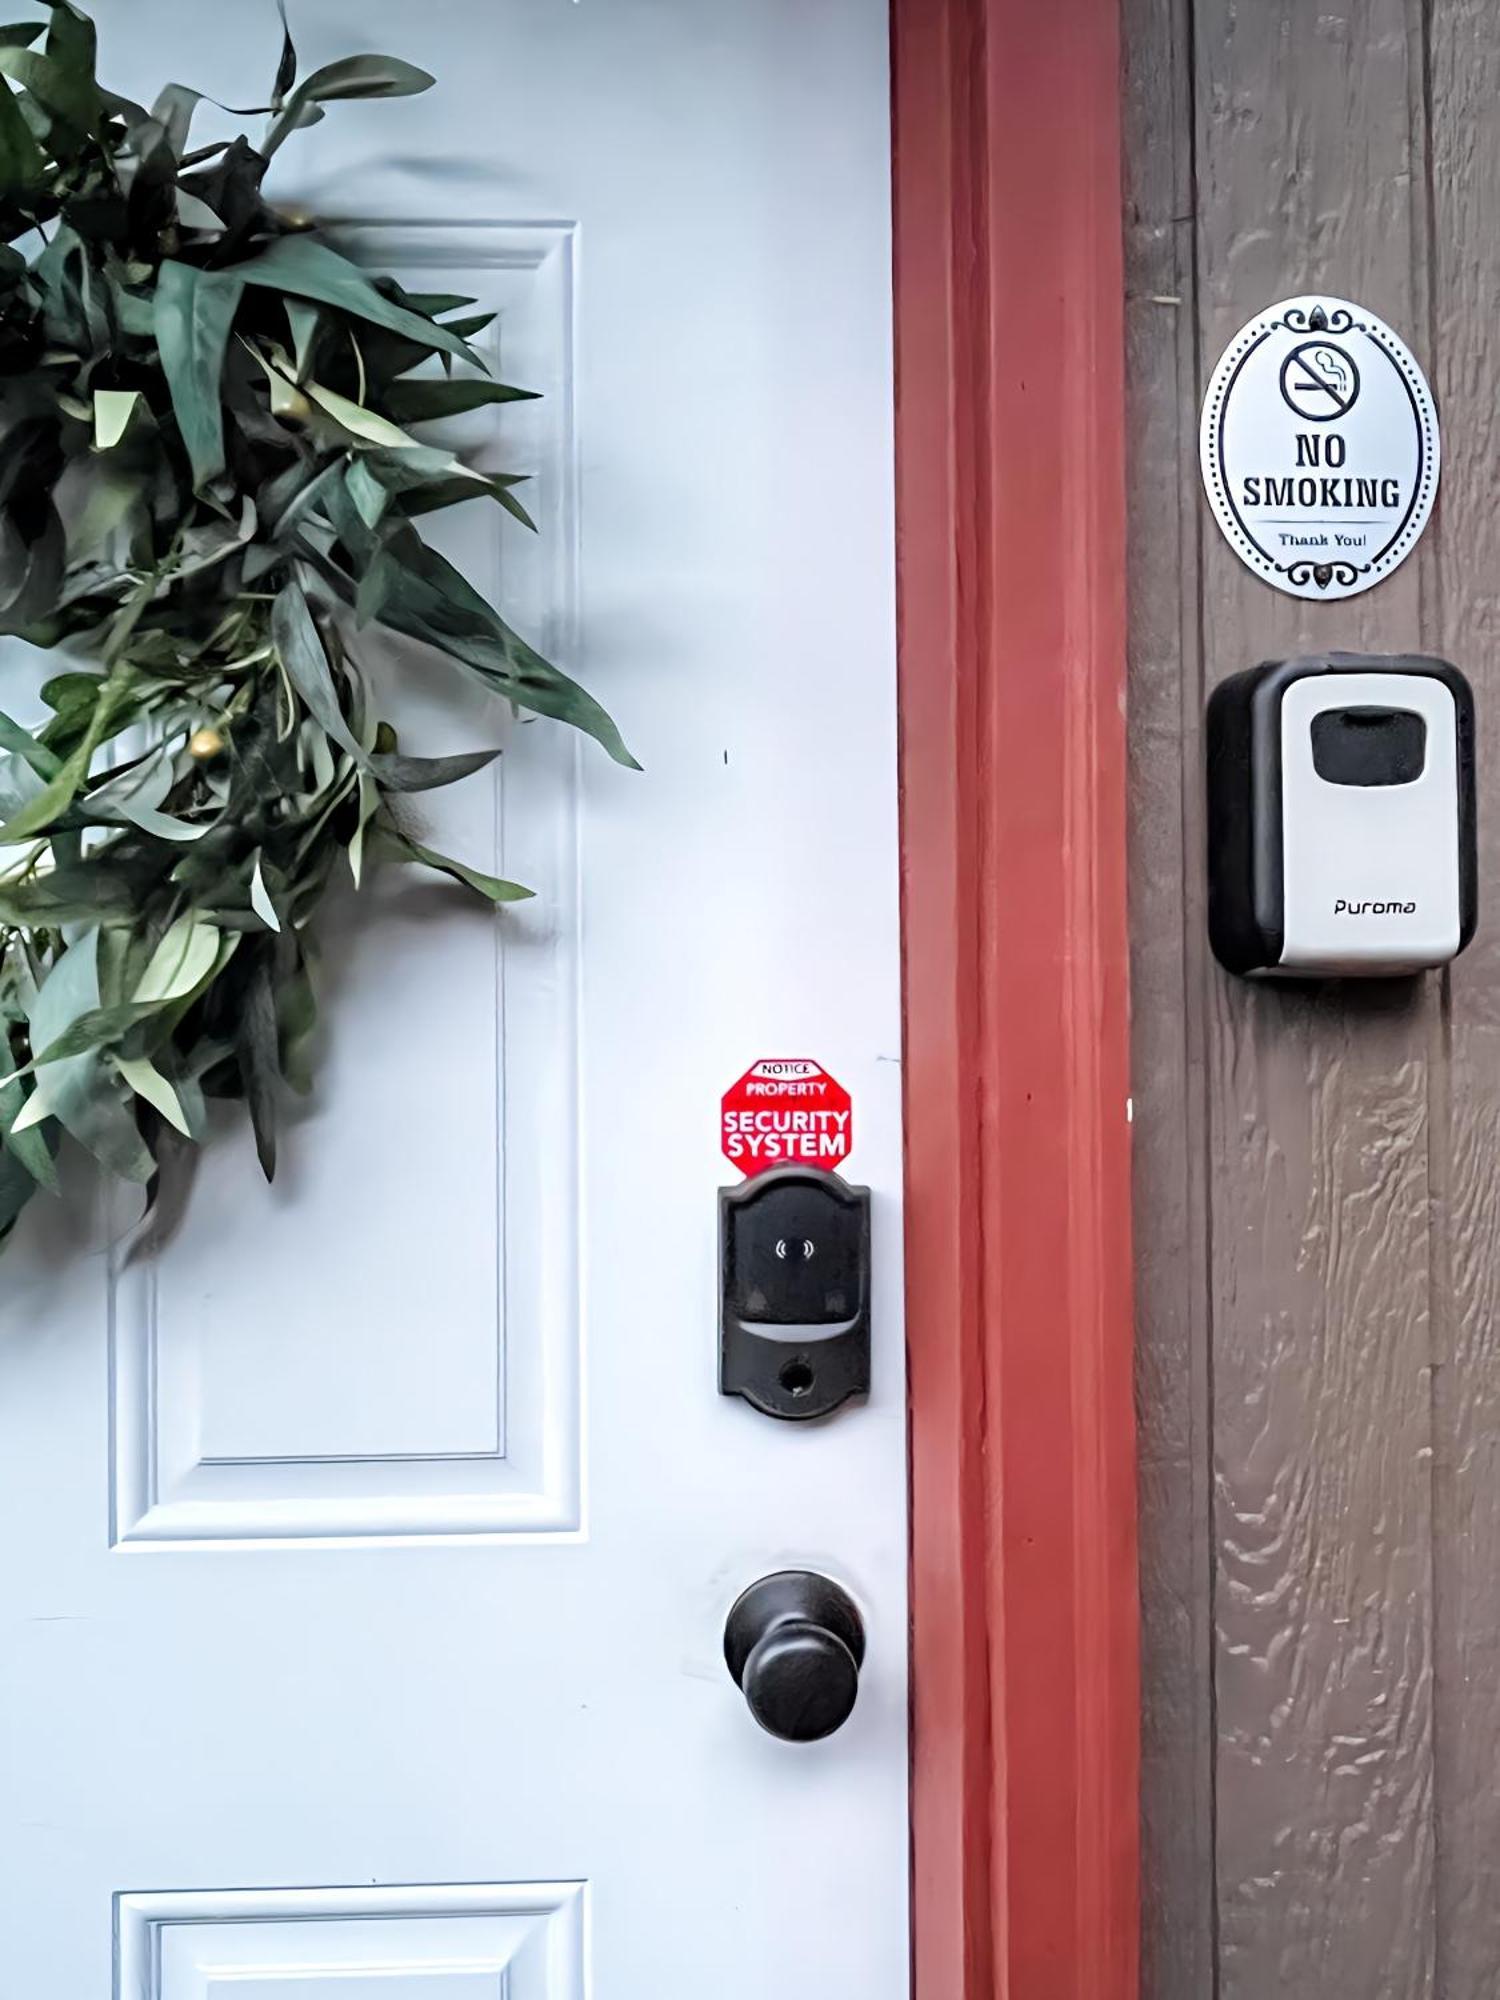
794	1643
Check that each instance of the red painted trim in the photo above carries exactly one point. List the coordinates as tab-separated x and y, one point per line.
1009	312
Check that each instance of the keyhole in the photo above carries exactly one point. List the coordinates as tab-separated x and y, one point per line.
796	1377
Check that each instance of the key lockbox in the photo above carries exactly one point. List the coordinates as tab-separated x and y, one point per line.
1341	816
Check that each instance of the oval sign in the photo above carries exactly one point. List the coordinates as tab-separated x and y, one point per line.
1319	447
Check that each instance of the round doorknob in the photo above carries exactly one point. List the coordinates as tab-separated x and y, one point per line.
794	1643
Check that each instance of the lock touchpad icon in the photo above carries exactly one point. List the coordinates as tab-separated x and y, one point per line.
797	1259
794	1249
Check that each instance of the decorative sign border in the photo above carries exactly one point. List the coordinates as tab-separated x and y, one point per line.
1305	576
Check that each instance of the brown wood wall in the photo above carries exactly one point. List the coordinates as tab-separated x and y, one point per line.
1318	1172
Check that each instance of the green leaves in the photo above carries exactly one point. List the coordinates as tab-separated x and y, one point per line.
489	886
353	76
208	484
421	402
59	792
309	270
423	774
414	590
29	1149
365	76
300	647
113	409
147	1081
72	42
192	315
181	962
257	1054
63	91
21	159
81	1092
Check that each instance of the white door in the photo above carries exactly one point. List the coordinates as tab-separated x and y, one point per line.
367	1543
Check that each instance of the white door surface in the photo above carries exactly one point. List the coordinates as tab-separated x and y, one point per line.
367	1541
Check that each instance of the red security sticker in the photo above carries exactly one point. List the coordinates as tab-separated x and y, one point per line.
786	1111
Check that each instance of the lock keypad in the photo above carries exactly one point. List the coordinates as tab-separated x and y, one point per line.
794	1248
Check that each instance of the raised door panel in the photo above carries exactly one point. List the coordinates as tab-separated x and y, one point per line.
474	1942
394	1369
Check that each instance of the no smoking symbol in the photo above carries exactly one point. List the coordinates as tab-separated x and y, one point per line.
1320	381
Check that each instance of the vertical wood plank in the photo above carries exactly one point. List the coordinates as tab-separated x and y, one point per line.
1309	176
1323	1679
1464	88
1167	967
1312	1226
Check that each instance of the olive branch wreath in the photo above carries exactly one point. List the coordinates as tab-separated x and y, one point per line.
209	483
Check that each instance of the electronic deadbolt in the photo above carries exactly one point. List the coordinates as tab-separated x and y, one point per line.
1341	819
794	1274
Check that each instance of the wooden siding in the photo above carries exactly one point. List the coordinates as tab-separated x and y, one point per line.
1317	1170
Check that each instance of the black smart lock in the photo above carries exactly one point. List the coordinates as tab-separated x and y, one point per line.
794	1260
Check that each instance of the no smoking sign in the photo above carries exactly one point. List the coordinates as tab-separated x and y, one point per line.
786	1111
1320	447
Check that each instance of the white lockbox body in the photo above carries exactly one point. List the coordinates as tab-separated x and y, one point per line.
1341	816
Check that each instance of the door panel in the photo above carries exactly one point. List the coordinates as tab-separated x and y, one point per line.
426	1380
478	1943
369	1539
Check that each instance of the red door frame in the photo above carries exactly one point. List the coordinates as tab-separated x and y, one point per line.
1009	329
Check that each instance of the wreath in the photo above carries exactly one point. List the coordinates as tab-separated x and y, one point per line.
209	483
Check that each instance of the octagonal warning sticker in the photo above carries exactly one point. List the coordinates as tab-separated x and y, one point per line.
786	1111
